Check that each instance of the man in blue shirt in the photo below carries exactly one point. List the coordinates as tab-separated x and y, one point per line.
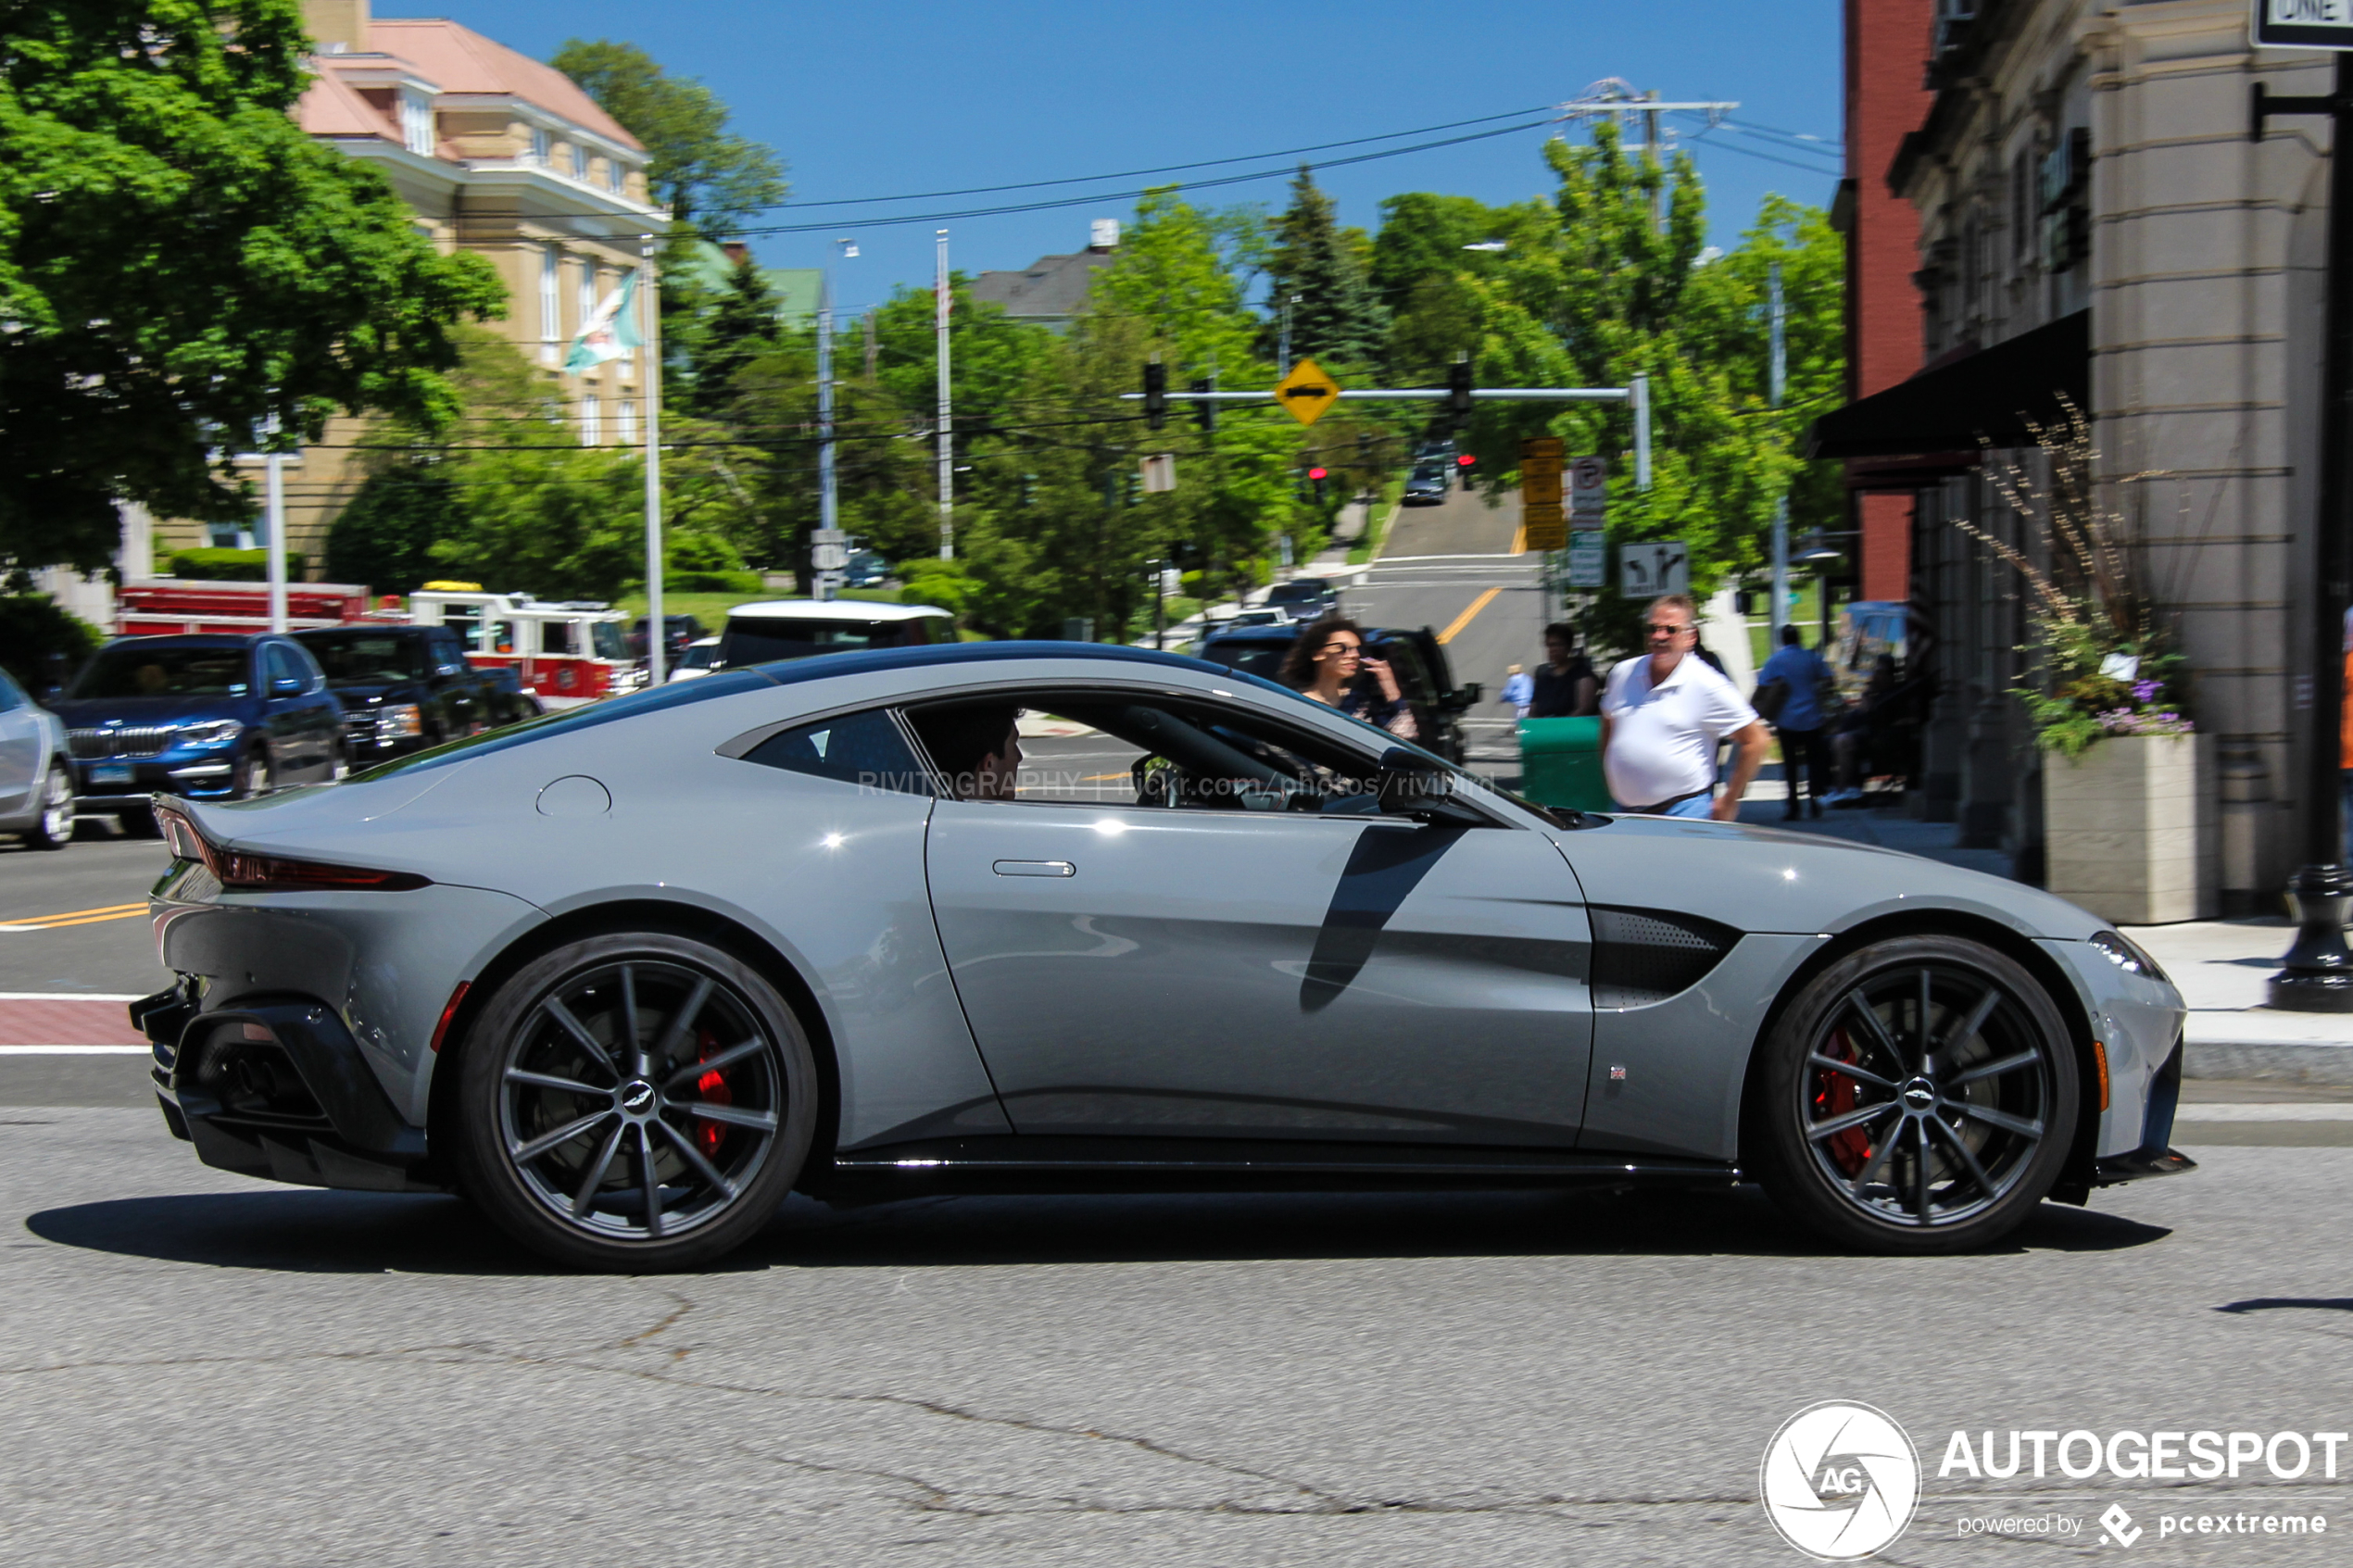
1799	722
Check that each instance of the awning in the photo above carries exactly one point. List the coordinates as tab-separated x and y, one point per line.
1989	397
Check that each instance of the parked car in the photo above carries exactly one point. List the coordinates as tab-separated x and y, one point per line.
207	717
404	688
1416	658
866	570
36	781
1261	616
1304	598
1428	487
697	658
776	629
1298	954
683	629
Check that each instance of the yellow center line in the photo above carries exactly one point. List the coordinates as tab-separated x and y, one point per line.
1520	540
54	923
1454	626
69	914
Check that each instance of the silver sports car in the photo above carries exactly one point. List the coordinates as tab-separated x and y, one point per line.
626	975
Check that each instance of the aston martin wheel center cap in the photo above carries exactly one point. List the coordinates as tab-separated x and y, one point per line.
637	1100
1918	1097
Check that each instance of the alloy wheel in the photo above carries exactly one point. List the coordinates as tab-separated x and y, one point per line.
638	1101
56	810
1926	1093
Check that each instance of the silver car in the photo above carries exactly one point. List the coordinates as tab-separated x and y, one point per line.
36	781
627	975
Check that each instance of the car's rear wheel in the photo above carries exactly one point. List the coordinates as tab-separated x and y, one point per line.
634	1102
53	829
1918	1095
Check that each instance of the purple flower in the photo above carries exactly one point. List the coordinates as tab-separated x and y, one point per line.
2145	690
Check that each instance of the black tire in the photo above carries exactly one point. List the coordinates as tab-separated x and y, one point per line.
53	829
666	1168
1844	1102
254	775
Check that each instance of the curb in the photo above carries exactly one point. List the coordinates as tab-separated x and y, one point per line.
2269	1059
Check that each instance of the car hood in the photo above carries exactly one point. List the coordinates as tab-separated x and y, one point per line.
91	712
1768	880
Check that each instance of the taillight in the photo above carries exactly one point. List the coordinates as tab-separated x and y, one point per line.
272	874
180	833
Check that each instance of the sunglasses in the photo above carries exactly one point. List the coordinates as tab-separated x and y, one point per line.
1666	629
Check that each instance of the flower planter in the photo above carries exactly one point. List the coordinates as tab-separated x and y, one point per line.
2121	829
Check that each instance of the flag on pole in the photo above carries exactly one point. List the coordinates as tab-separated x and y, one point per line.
611	333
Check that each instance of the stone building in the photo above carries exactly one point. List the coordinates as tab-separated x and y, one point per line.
2096	226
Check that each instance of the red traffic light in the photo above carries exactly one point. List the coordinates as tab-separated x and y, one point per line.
1318	473
1465	459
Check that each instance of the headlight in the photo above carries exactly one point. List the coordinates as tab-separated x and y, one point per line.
400	721
2128	957
210	732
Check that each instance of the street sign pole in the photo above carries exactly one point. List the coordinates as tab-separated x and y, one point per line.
2316	974
1781	502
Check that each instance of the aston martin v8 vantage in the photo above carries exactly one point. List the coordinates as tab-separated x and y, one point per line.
626	975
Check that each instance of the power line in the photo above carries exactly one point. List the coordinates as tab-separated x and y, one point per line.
1165	168
1697	137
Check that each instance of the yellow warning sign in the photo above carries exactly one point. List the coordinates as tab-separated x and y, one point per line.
1307	393
1545	527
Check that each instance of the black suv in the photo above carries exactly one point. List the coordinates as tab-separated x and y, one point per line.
404	688
1416	658
1304	598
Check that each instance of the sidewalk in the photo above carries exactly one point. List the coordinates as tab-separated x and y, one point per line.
2221	966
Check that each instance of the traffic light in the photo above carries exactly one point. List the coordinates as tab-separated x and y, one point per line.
1029	490
1204	412
1458	393
1134	489
1316	476
1155	394
1464	462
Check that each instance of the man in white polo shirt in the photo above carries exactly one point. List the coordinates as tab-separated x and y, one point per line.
1663	714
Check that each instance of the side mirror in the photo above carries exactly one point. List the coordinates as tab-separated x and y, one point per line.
286	686
1472	692
1410	785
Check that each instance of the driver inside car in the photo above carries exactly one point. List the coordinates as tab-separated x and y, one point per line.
977	747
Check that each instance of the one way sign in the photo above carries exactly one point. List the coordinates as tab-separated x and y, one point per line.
1651	568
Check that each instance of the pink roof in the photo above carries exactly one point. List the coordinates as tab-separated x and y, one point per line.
456	60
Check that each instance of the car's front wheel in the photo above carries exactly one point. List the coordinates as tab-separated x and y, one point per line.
53	829
253	776
632	1102
1918	1095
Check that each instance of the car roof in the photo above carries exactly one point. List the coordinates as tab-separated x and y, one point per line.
830	609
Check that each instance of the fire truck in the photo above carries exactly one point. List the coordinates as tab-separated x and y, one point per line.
564	654
166	607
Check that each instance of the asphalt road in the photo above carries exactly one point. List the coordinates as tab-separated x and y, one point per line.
88	902
1450	568
209	1370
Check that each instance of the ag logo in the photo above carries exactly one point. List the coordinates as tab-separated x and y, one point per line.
1840	1481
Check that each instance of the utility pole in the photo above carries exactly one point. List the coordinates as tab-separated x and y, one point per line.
2316	974
656	629
947	438
828	506
1283	355
1614	98
1781	502
274	497
1650	145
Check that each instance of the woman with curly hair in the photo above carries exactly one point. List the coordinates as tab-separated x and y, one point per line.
1328	663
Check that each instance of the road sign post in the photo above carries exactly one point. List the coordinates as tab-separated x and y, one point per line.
1652	568
1542	523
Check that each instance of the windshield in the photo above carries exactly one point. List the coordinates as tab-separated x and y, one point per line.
756	639
608	639
367	658
140	669
1292	592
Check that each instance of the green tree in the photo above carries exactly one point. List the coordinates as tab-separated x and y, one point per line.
738	330
1172	274
709	178
181	264
1335	319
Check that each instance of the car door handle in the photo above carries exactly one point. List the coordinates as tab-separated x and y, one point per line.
1035	868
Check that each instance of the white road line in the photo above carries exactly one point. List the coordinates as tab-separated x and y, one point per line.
73	1050
2302	1110
66	997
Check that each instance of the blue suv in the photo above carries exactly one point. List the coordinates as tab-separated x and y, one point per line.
211	718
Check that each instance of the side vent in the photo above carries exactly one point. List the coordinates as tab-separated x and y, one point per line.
1646	956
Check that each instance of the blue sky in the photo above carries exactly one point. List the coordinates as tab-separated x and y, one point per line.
883	99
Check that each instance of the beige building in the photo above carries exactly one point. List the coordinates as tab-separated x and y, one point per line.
2093	220
500	154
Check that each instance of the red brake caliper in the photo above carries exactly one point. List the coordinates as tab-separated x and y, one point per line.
713	1087
1834	1096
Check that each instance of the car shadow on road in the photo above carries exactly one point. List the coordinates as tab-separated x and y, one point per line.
314	1231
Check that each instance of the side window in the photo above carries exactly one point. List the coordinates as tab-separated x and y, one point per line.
280	667
858	748
446	653
306	665
10	698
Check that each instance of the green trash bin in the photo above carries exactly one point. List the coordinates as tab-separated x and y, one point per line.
1560	763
